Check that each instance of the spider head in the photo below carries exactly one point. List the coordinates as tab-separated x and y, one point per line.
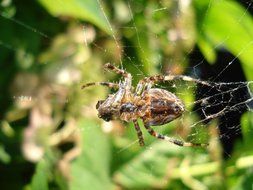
104	112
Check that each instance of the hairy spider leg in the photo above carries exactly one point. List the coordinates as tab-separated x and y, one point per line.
122	72
108	84
125	87
161	78
139	88
139	133
127	84
186	78
148	82
172	140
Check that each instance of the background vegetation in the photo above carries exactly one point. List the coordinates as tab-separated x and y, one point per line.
50	135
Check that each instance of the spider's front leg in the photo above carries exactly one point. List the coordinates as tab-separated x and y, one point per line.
161	78
122	72
186	78
127	83
108	84
172	140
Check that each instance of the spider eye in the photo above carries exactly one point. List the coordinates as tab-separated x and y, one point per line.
99	103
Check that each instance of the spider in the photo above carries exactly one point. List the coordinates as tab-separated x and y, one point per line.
154	106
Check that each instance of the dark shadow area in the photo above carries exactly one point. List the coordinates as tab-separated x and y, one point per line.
224	96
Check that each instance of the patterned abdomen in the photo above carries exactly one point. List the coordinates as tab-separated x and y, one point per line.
164	107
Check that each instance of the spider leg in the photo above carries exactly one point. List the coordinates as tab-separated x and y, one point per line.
122	72
108	84
139	88
127	84
139	133
142	86
172	140
161	78
186	78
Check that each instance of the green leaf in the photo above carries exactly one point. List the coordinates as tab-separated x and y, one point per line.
91	169
226	24
247	129
40	178
88	10
150	167
245	181
207	49
4	156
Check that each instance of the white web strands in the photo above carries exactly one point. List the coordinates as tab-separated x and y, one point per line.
222	88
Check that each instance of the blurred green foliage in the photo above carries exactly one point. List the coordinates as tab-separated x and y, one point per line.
50	135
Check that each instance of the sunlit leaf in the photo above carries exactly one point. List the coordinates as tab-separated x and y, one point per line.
88	10
225	24
207	49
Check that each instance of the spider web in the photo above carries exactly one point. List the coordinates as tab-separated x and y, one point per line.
223	100
206	107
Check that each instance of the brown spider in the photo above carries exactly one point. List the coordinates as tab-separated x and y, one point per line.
153	105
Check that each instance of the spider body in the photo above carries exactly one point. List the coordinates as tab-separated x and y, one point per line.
156	107
153	106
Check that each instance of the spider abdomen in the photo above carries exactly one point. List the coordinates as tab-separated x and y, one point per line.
164	107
